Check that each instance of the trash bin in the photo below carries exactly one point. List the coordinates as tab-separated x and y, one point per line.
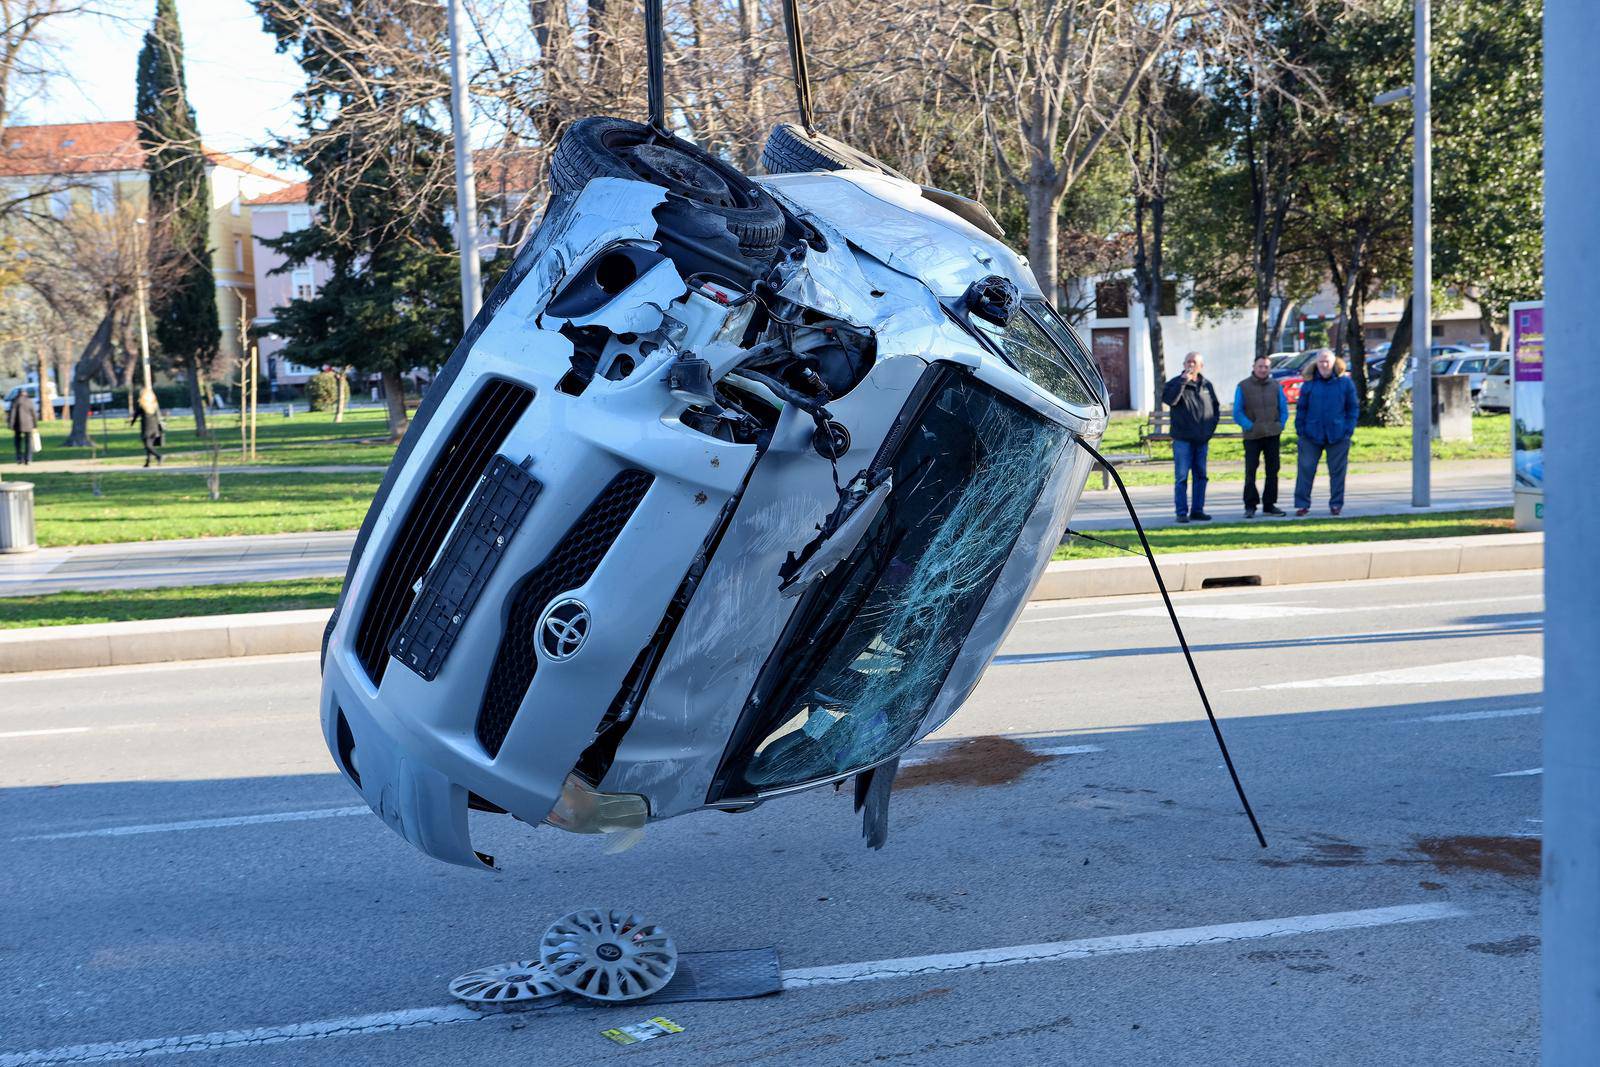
16	517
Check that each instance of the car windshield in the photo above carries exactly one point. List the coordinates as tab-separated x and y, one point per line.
872	643
1043	348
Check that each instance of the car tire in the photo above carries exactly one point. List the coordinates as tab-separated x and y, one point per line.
601	147
791	150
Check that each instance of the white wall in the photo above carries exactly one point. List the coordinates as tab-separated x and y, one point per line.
1226	344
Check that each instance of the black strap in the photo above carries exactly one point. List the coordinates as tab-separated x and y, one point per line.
797	59
655	65
1182	641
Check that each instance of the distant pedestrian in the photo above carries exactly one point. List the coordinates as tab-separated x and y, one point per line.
1194	419
24	424
1262	411
152	432
1324	421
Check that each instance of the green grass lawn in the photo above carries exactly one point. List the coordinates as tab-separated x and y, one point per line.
1491	439
307	439
1277	533
135	506
69	609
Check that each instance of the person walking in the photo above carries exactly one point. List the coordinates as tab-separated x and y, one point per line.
1324	421
1262	411
24	424
1194	419
151	430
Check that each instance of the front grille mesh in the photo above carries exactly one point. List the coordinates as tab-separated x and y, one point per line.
570	564
440	496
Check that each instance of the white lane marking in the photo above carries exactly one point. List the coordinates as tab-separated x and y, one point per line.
1253	612
46	733
379	1023
1303	589
1037	750
1520	774
231	663
202	824
801	978
1494	669
336	813
1474	716
1022	658
1066	750
1118	944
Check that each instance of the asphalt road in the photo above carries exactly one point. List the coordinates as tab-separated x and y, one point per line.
182	873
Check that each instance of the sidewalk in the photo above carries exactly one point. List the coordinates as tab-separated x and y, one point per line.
151	564
1458	485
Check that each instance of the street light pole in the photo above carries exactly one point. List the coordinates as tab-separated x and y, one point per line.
466	197
1421	268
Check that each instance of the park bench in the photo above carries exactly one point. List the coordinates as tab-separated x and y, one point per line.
1158	427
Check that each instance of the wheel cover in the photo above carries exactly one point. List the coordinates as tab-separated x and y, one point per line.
609	955
505	983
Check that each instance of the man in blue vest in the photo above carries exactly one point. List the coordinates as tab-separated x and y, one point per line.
1194	419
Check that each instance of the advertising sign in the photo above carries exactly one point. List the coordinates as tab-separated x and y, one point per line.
1527	414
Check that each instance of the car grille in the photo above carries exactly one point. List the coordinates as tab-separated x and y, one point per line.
570	564
440	496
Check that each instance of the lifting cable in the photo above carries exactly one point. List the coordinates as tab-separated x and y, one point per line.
655	66
797	60
1183	642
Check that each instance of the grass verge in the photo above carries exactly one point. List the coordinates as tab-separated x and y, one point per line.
158	507
307	439
127	605
1281	533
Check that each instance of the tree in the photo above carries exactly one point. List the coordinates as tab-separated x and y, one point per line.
1488	155
1053	79
180	201
371	145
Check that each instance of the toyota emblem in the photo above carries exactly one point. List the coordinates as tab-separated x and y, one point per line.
564	629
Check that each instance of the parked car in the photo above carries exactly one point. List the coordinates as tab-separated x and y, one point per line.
1495	392
1290	370
59	403
731	490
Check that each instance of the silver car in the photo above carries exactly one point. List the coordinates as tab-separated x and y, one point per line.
732	489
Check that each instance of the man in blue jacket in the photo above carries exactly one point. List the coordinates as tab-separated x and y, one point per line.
1194	419
1324	421
1262	411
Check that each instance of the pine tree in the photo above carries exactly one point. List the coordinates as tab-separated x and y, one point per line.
185	312
373	154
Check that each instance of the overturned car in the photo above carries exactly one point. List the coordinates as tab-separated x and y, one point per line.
732	489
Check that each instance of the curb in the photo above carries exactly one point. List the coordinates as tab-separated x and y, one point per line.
115	644
1295	565
118	644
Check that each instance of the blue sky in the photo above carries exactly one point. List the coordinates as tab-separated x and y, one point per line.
240	88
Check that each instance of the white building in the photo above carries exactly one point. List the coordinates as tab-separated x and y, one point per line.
1116	332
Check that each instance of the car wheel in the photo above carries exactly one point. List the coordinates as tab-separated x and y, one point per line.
791	150
616	148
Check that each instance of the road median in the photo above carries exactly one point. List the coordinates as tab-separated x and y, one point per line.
115	644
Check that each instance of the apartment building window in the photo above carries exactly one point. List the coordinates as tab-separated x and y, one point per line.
299	218
303	283
102	200
61	203
238	254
